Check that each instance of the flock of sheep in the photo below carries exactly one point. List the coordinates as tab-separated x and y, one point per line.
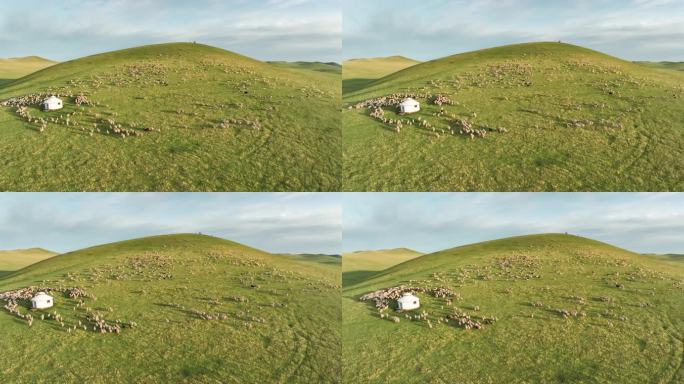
150	266
457	318
153	266
77	118
511	267
454	125
93	321
509	74
150	74
382	297
231	122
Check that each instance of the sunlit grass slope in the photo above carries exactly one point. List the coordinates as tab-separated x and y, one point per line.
12	260
14	68
527	117
189	309
171	117
551	308
357	73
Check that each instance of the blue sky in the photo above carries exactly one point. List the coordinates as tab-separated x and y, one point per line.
332	222
429	29
640	222
275	222
263	29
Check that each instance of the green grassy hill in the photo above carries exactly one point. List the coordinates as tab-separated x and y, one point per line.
330	263
13	260
333	69
674	257
528	117
14	68
673	65
357	266
357	73
171	117
178	308
333	261
541	308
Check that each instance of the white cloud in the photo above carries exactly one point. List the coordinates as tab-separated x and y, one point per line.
273	222
652	3
637	30
640	222
253	28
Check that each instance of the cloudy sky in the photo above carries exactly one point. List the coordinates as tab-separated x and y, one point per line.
429	29
263	29
434	221
275	222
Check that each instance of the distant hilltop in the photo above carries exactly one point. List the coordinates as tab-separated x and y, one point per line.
28	59
386	58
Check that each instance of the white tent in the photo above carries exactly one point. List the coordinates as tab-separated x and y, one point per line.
407	302
52	103
42	300
409	105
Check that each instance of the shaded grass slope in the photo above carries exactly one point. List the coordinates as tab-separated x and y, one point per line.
360	265
15	259
316	66
188	309
171	117
527	117
549	308
357	73
672	65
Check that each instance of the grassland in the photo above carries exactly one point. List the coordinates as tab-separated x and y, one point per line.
171	117
333	69
358	73
529	117
358	266
333	261
550	308
13	260
188	309
672	65
673	257
17	67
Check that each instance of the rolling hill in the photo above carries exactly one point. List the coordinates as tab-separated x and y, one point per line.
331	261
13	260
360	265
538	308
674	257
673	65
171	117
331	68
16	67
527	117
357	73
176	308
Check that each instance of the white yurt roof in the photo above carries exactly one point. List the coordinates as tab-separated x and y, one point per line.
407	101
407	297
41	300
52	98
